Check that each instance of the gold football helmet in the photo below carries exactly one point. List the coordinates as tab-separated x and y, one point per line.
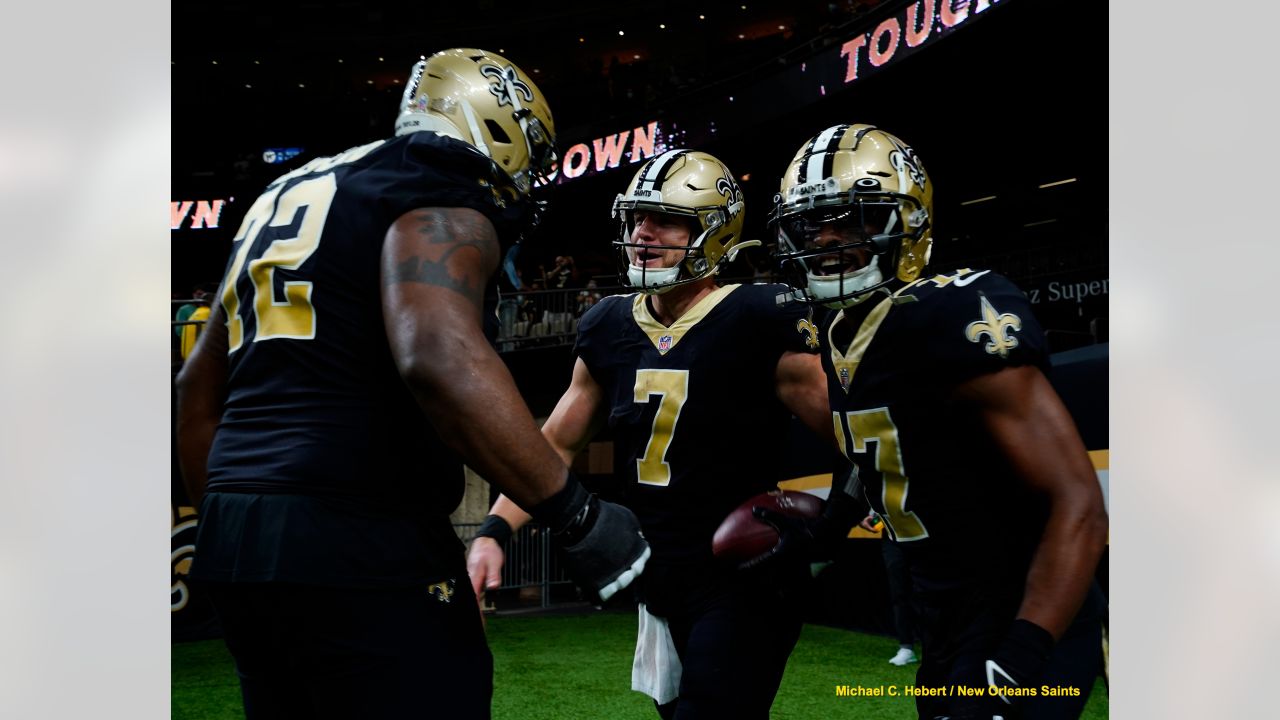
486	101
852	215
688	184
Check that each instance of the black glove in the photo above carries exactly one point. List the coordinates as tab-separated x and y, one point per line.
796	538
602	543
804	539
1017	663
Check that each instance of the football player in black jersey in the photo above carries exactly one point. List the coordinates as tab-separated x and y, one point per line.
938	393
698	383
340	378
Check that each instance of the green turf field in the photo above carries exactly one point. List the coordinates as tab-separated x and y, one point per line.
579	667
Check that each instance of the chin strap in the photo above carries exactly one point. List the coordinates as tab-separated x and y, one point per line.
733	251
476	138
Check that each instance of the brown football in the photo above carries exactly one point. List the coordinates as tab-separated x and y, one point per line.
742	536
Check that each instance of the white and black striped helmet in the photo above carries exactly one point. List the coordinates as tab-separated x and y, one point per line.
690	184
862	178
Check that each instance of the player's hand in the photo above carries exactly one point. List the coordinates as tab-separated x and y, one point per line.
1017	663
869	523
602	543
484	565
797	538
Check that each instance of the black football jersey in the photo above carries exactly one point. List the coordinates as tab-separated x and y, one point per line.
317	416
696	421
928	466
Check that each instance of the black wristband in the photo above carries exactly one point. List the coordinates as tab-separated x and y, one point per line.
565	509
494	526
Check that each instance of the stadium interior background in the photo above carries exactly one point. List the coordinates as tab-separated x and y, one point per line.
1009	100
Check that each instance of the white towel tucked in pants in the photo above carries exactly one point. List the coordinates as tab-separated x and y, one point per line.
656	669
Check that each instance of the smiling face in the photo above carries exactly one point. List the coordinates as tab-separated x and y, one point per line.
662	237
838	250
849	259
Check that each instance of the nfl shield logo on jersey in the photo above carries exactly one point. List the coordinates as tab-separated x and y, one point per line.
844	378
664	343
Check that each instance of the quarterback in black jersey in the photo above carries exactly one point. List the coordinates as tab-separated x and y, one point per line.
340	382
697	383
938	394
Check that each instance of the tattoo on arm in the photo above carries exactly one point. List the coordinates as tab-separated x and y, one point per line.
446	231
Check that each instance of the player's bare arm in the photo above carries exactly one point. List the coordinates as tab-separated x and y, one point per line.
802	388
201	391
801	385
445	232
1039	440
435	264
577	418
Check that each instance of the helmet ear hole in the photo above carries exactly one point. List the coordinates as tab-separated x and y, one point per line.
496	131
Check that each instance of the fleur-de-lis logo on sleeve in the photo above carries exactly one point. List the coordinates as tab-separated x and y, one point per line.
996	326
810	331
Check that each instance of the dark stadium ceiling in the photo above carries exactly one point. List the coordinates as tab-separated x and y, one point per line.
365	42
999	108
558	31
307	59
247	76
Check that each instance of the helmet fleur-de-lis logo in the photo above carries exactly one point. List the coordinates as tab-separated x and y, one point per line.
996	326
728	188
504	81
903	158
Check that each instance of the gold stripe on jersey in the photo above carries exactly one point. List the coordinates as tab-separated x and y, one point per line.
846	363
657	332
1101	459
808	482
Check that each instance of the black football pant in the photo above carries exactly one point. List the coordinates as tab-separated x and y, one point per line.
733	654
898	574
961	630
317	653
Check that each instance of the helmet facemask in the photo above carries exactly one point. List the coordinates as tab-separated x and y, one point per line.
692	263
852	216
837	254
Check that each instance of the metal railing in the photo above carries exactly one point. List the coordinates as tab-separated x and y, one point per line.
528	318
549	318
545	318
